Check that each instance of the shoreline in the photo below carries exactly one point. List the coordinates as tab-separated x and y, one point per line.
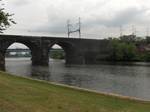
22	94
121	63
82	89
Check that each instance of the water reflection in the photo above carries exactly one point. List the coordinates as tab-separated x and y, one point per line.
42	73
125	80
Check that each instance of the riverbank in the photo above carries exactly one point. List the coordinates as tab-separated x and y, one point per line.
24	95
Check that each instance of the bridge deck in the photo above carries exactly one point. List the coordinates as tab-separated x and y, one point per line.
43	37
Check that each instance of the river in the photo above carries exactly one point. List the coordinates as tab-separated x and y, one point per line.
120	79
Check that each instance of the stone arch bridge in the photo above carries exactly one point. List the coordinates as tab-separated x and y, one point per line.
78	51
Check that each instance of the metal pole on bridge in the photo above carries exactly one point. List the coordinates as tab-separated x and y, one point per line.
79	27
68	27
72	31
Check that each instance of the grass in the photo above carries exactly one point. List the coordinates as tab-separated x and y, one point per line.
24	95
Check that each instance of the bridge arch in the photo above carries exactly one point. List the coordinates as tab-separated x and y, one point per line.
17	49
17	45
69	49
32	45
56	52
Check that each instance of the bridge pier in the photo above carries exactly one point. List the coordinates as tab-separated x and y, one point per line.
40	57
75	58
2	61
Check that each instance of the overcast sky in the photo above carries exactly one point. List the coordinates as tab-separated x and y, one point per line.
99	18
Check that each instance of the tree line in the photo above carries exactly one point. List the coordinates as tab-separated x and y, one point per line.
121	50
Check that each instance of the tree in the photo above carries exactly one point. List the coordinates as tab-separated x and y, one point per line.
5	19
122	51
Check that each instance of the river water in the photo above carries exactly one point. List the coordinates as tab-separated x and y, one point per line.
120	79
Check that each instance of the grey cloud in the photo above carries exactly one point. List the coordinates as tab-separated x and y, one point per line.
50	27
127	16
56	22
20	2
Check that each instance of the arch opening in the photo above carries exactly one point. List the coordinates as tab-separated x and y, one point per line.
66	50
17	50
56	52
17	54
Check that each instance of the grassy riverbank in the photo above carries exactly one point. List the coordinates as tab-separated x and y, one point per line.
25	95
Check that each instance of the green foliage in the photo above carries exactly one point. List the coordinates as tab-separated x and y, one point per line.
145	56
5	20
148	56
58	54
127	51
121	51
